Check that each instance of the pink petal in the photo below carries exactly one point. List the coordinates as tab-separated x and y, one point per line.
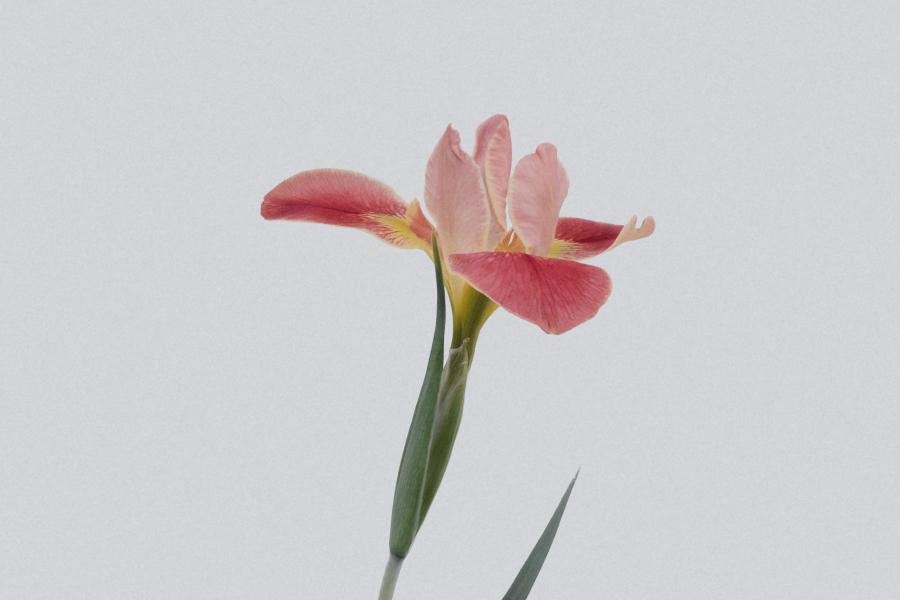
555	294
337	197
493	153
578	239
418	222
455	197
537	190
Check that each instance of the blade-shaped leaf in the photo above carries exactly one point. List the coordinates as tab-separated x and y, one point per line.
521	587
409	491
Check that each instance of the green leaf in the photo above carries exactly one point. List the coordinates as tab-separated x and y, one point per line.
521	587
409	491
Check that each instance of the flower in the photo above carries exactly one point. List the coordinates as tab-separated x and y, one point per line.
529	266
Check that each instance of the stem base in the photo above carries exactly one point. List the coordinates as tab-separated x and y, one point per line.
389	581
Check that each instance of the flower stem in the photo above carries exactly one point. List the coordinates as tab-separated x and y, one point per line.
389	581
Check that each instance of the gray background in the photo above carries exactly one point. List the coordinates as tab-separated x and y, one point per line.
200	404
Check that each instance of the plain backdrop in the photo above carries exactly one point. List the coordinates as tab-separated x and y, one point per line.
199	404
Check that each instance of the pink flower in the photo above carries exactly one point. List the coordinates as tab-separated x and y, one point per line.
528	266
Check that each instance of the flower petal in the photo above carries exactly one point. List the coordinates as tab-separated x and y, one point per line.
493	153
537	190
631	233
419	224
554	294
455	197
577	239
349	199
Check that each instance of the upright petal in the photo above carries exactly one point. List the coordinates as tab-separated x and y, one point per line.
493	153
554	294
346	198
537	190
455	197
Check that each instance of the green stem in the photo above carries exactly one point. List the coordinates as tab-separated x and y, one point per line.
389	581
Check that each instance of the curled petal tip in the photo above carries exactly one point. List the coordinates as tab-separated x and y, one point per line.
646	228
490	128
631	232
452	138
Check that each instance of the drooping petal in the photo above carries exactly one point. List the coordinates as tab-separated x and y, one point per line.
554	294
412	230
577	239
455	197
537	190
493	153
346	198
331	196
